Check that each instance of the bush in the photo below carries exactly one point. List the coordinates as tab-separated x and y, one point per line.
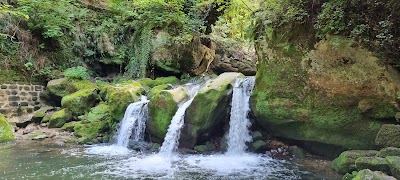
77	72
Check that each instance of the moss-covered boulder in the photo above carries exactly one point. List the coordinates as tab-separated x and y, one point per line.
394	164
69	126
372	163
162	107
101	113
389	151
208	110
388	136
346	161
6	130
258	146
64	86
89	132
40	114
80	102
331	95
59	118
372	175
158	81
119	96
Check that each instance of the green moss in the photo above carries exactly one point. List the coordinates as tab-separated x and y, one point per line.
157	89
162	108
37	135
39	115
6	131
394	165
159	81
389	151
372	163
80	102
388	136
100	112
59	118
69	126
88	133
63	87
346	161
46	118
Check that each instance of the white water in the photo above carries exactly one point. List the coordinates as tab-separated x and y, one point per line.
171	139
134	123
239	122
131	127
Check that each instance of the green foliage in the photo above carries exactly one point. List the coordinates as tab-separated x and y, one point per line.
78	72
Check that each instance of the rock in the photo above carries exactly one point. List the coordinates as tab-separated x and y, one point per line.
158	81
201	148
38	136
88	132
256	135
297	152
397	116
346	161
119	97
258	146
39	114
6	130
310	91
209	108
389	151
372	163
162	107
80	102
234	57
367	174
59	118
388	136
394	165
101	113
62	87
69	126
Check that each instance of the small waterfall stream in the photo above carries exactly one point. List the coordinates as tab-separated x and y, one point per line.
174	130
239	122
134	123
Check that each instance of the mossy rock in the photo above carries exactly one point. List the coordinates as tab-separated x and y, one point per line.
346	161
81	101
64	86
69	126
38	135
40	114
372	163
101	113
372	175
162	107
309	95
208	109
389	151
388	136
258	146
119	97
6	130
88	132
159	81
59	118
394	165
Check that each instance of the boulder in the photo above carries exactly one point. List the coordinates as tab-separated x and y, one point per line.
69	126
389	151
372	163
330	95
256	135
119	97
162	107
88	132
346	161
367	174
101	113
80	102
38	135
158	81
40	114
258	146
6	130
208	110
59	118
394	165
62	87
388	136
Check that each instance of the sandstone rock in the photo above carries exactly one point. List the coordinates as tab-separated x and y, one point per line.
346	161
388	136
162	107
372	163
373	175
394	164
81	101
59	118
389	151
88	132
208	109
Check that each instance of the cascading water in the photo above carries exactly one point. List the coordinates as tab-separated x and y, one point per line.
174	130
239	122
134	123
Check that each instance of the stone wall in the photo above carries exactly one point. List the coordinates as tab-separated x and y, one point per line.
19	99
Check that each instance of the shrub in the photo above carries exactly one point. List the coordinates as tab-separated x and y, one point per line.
77	72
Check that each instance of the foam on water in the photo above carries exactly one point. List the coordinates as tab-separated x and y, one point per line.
107	150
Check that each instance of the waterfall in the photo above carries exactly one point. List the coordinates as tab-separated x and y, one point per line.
174	130
134	123
239	123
